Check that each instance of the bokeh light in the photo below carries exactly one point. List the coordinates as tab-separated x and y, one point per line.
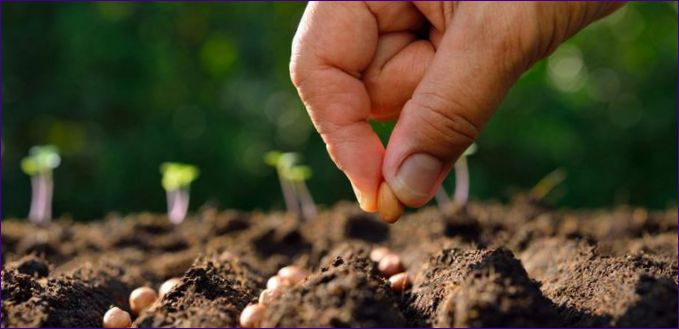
122	87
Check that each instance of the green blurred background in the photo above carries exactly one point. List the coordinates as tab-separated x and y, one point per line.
122	87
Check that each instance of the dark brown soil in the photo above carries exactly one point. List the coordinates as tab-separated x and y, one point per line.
346	291
478	288
489	265
211	293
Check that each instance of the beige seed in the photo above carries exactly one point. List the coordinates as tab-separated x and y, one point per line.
389	207
269	295
390	265
292	274
167	286
117	318
274	282
399	282
142	298
378	253
252	315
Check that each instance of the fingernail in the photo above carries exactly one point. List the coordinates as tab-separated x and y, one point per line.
414	181
363	201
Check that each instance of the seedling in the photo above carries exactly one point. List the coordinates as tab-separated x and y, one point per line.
177	178
283	162
461	194
292	178
39	163
442	198
547	184
298	175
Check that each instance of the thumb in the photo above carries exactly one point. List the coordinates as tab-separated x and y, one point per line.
457	95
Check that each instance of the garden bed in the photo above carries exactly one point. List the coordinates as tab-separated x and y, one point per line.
490	265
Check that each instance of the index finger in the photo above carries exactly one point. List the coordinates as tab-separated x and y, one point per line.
333	44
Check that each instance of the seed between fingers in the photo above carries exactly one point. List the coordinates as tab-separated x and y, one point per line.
389	207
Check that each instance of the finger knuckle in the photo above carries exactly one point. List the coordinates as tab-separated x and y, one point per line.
444	119
296	71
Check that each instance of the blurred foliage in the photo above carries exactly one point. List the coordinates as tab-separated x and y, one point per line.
123	87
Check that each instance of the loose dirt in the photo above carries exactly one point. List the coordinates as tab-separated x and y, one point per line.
515	265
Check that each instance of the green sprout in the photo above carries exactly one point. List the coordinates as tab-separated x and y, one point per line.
177	179
39	163
461	194
547	184
292	178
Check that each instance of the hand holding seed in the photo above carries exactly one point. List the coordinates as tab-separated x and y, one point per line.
440	69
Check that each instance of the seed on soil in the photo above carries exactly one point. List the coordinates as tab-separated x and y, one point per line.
399	282
117	318
378	253
389	207
252	315
390	265
167	286
274	282
292	274
141	298
269	295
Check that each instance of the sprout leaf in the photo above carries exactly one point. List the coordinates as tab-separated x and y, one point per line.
272	158
299	173
40	160
178	175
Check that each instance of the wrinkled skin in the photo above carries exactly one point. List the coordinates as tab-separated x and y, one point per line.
439	69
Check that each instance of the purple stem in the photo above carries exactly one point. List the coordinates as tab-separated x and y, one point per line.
442	199
308	206
177	205
288	194
461	195
41	200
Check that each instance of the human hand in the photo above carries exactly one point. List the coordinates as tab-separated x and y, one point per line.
439	68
